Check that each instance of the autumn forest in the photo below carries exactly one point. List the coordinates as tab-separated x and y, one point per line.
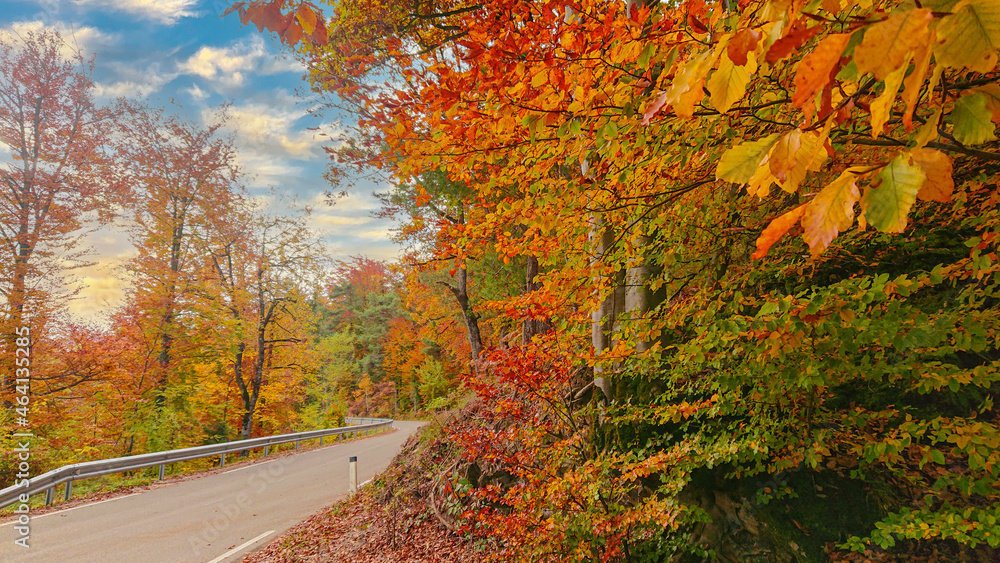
682	281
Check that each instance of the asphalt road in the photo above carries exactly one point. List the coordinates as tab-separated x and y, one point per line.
213	519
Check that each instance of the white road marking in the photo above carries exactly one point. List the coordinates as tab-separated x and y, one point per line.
238	548
74	508
248	466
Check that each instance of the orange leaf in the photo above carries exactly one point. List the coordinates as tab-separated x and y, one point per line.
887	44
742	43
937	166
307	18
817	68
776	230
830	213
913	83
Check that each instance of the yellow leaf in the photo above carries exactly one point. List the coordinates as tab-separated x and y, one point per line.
970	36
830	213
782	155
762	180
728	84
686	89
776	230
886	44
928	132
936	165
882	105
540	78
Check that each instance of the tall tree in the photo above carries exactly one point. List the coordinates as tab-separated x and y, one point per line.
186	178
261	266
56	171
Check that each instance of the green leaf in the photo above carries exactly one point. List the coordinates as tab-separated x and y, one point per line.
885	207
643	60
739	163
611	130
937	457
970	36
971	118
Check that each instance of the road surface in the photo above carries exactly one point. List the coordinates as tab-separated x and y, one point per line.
212	519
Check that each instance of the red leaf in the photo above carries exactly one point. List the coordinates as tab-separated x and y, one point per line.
796	36
654	108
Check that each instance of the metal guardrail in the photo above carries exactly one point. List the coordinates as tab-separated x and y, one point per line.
49	480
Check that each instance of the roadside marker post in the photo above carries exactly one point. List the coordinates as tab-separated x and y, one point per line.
352	474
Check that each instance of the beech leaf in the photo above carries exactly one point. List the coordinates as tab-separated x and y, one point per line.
776	230
796	153
972	119
970	36
796	37
307	18
654	108
913	84
743	42
882	106
886	45
728	84
816	68
830	213
739	163
936	165
887	205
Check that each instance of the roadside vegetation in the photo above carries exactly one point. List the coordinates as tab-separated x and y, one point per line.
683	281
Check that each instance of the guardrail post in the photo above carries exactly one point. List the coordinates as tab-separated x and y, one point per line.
266	449
69	489
352	474
222	460
296	445
48	496
162	468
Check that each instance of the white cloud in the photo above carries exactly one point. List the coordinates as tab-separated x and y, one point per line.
381	233
353	203
87	40
272	129
196	92
166	12
326	222
270	139
229	66
140	82
266	171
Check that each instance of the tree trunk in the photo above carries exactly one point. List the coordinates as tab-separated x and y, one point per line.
471	318
603	319
531	327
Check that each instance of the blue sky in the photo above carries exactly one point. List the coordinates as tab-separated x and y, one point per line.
183	50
